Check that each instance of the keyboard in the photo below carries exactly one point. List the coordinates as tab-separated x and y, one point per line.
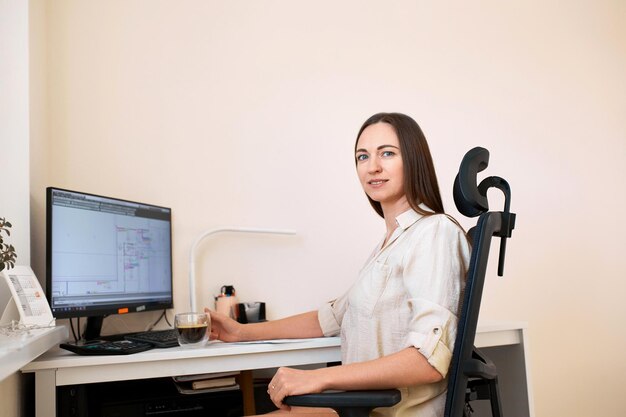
158	338
107	347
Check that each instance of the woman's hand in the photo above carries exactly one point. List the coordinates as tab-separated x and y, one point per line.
289	381
224	328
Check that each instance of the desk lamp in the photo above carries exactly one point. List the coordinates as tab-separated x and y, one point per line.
194	248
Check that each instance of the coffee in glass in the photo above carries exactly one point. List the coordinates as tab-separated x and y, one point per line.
192	328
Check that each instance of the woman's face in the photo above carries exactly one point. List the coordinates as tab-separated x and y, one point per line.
379	165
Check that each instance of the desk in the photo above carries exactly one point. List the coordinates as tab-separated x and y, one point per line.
58	367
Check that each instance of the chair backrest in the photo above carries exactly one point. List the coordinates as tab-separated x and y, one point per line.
471	201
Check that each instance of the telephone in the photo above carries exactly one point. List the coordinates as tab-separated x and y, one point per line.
21	292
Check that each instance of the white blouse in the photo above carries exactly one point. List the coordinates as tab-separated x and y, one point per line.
408	295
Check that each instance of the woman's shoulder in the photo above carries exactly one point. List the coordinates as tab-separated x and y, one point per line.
439	224
440	220
436	232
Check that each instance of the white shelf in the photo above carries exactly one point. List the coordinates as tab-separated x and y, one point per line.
501	333
18	348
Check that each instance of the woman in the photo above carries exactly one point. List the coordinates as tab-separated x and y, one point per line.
398	321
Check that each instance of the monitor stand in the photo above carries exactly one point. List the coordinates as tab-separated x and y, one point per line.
93	328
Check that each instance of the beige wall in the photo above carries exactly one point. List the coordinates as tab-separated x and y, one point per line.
14	132
244	113
14	155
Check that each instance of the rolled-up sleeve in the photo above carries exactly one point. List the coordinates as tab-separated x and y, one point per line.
330	315
434	277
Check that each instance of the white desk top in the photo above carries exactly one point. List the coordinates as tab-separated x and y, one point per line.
70	368
18	348
61	358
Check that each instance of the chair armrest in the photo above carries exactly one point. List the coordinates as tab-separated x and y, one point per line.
480	366
369	399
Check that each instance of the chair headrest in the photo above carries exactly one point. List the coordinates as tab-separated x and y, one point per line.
468	198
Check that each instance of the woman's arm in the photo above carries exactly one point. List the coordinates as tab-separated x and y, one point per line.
402	369
299	326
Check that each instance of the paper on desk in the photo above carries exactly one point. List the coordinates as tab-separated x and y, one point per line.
271	341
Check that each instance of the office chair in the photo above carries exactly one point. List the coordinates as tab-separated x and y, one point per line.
471	376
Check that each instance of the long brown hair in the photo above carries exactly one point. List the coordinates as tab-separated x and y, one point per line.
420	180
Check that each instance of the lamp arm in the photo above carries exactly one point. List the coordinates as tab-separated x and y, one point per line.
196	243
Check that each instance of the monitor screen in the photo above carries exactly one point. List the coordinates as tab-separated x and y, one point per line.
106	255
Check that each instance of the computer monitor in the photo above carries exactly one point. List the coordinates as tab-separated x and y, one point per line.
106	256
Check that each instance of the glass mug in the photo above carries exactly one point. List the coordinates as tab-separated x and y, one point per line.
192	329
